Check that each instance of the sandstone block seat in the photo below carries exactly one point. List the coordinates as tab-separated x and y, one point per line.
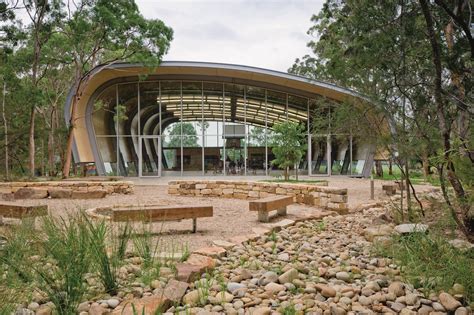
389	189
265	205
22	212
152	213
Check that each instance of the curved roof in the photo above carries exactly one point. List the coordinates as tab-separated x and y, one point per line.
102	75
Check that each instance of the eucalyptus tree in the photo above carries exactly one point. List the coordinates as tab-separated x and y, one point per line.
382	50
99	33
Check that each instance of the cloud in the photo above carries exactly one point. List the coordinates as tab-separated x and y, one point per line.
268	34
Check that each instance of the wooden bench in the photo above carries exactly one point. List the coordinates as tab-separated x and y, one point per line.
389	189
154	213
265	205
21	212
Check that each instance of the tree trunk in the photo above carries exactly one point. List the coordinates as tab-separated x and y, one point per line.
31	133
51	164
5	127
467	223
390	167
425	164
286	174
378	168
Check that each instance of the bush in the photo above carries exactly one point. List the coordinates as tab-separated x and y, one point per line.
429	261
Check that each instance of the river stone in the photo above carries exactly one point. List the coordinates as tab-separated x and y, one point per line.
448	301
409	228
273	287
288	276
268	277
221	297
234	286
344	276
397	288
461	311
113	303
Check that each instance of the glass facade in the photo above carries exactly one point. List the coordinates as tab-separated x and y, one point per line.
171	127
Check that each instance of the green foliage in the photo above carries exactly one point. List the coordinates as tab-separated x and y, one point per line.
186	129
429	261
104	263
288	145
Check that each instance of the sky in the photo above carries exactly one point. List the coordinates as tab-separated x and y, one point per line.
261	33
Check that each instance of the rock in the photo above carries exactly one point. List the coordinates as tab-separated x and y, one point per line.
175	290
44	310
83	307
397	288
221	297
267	277
113	303
365	301
396	306
262	311
461	244
33	306
205	263
96	309
234	286
274	288
409	228
283	257
58	193
449	302
337	310
382	230
411	299
224	244
145	305
461	311
407	311
191	298
438	307
31	193
326	290
213	251
344	276
288	276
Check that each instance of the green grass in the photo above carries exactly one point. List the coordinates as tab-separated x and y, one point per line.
416	177
430	262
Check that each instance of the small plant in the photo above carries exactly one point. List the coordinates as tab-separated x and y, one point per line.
203	287
273	236
320	226
429	261
289	310
106	265
186	253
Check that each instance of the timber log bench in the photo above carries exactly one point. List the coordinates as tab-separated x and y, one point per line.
265	205
152	213
22	212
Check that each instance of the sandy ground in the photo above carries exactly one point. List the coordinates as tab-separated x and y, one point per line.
231	216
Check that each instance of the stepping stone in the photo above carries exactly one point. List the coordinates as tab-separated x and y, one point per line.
223	244
409	228
214	251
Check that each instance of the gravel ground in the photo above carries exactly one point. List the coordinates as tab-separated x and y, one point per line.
231	216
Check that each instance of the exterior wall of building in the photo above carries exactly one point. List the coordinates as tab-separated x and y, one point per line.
125	125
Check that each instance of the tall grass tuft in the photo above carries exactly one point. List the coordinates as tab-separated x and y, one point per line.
429	261
105	264
66	243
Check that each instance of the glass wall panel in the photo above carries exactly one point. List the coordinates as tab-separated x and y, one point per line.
213	160
149	108
319	163
171	160
150	156
128	156
128	106
104	112
108	151
192	154
340	155
360	152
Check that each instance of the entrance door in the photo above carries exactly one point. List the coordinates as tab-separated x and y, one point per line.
150	156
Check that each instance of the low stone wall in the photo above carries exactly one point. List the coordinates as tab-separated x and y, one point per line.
68	189
322	196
